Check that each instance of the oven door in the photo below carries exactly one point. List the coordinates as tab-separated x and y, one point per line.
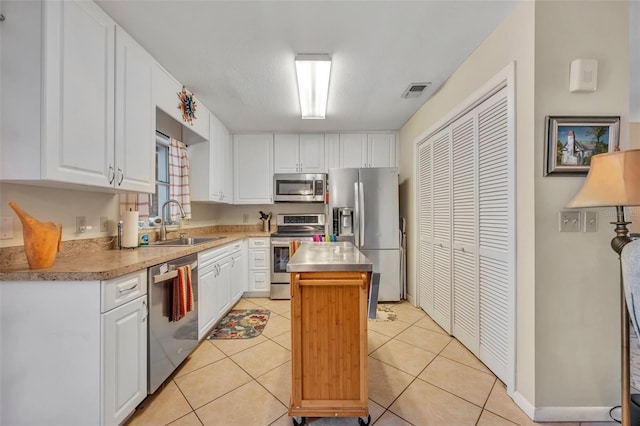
280	254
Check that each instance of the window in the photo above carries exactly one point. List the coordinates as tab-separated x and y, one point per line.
162	175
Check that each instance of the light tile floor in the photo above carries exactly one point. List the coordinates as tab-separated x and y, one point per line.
418	375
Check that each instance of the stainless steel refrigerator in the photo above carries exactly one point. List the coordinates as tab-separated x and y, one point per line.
363	209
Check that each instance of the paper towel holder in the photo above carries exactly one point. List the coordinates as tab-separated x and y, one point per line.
120	223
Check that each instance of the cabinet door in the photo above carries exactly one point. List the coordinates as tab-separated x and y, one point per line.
125	360
286	153
239	275
381	150
223	287
218	161
253	161
135	117
331	151
312	153
353	150
79	93
207	310
227	156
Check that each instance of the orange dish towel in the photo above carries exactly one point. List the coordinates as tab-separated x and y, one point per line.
182	294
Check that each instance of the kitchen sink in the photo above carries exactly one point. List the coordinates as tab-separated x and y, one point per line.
181	242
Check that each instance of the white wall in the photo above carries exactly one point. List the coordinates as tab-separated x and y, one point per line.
60	206
567	284
512	41
577	298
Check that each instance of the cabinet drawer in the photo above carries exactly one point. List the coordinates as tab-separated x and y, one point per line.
258	242
118	291
259	259
213	255
259	280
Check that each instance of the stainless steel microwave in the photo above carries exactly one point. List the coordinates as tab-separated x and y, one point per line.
299	187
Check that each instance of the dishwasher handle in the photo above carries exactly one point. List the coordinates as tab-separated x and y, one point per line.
172	274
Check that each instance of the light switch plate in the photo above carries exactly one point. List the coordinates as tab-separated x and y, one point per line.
591	221
570	221
6	228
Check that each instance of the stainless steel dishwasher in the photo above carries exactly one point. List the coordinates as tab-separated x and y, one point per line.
169	342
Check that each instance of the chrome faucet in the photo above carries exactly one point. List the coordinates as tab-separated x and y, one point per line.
163	225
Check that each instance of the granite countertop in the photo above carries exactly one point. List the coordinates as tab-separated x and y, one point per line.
107	264
328	257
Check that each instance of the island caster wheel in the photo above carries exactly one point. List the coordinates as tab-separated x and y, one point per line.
362	422
303	420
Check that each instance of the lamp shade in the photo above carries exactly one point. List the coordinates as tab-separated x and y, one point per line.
613	180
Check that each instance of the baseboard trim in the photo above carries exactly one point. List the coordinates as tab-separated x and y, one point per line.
572	414
524	404
412	300
561	414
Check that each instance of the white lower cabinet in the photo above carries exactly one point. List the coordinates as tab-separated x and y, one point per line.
125	359
124	338
239	272
259	267
85	359
222	277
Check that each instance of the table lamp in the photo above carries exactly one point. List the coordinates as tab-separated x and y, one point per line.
614	181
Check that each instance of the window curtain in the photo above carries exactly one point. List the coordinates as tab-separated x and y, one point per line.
137	202
179	178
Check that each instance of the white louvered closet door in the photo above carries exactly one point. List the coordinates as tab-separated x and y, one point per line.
464	231
496	242
442	229
425	225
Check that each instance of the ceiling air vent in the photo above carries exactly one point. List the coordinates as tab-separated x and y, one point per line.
414	90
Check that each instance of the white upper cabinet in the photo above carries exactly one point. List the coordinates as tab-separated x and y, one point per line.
76	98
135	118
353	147
78	93
381	150
367	150
253	168
331	151
299	153
57	109
166	91
286	153
212	165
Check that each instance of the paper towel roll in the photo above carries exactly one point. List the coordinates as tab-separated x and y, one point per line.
130	229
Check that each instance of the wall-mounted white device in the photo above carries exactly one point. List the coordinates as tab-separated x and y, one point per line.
583	75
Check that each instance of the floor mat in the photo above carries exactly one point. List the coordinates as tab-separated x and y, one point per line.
241	324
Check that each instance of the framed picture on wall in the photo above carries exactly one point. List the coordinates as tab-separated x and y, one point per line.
572	141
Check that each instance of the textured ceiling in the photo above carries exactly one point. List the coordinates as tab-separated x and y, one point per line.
237	56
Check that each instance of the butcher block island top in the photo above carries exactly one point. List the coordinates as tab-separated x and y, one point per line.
329	291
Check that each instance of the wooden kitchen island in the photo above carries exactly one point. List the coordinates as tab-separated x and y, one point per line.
329	290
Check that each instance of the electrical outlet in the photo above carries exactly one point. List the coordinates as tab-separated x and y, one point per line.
6	228
104	224
245	218
591	221
81	224
570	221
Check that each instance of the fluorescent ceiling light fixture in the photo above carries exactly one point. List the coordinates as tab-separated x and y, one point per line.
313	72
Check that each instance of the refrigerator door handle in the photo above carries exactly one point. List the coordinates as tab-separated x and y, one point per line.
356	216
361	218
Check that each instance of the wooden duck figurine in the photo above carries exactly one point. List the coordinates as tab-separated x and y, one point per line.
41	240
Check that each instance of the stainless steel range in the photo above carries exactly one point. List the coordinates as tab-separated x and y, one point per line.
291	227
